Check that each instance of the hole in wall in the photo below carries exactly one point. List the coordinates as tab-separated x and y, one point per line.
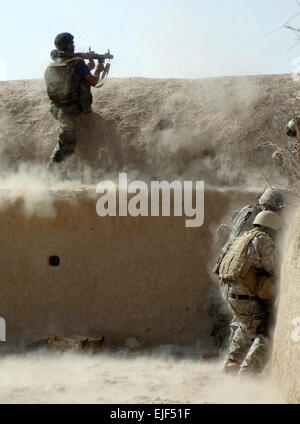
54	261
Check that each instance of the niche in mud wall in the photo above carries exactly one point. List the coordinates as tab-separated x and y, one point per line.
54	261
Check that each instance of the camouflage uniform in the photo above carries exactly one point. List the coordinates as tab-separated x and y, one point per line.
221	319
249	345
68	117
242	222
70	95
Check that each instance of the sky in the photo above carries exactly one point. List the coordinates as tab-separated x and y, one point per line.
153	38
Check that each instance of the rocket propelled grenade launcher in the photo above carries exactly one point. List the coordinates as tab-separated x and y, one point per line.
57	54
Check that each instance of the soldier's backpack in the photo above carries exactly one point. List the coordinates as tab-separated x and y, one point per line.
235	265
244	221
62	81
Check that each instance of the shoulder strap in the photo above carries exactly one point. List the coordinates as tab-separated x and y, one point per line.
63	62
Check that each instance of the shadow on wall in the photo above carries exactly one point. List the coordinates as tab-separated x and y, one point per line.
160	149
161	129
99	143
104	149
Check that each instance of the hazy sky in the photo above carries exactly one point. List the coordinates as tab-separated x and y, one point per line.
152	38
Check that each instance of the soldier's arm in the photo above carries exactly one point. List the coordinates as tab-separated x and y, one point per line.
94	79
267	252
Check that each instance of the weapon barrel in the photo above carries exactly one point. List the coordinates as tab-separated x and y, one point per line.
101	57
56	54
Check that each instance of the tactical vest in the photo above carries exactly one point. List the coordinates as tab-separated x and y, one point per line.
235	265
62	81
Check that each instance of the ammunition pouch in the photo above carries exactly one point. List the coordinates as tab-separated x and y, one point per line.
266	289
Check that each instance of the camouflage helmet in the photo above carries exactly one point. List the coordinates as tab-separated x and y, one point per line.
272	197
268	219
63	40
290	129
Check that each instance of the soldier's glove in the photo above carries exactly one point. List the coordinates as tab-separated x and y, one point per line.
100	67
91	65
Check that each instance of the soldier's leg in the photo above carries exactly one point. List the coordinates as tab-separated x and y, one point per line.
260	350
239	346
248	317
66	145
257	356
229	323
222	317
234	325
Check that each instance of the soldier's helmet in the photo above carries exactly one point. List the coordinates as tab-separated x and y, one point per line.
272	197
268	219
63	40
290	129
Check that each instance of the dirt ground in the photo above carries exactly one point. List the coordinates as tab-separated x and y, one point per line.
159	378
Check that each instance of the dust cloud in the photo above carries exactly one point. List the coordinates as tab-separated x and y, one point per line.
124	378
186	135
163	129
152	129
36	190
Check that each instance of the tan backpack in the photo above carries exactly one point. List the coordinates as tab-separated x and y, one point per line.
235	265
62	82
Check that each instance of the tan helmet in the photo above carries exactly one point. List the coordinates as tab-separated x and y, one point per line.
268	219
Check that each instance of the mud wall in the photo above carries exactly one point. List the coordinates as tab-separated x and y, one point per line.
286	353
119	277
214	129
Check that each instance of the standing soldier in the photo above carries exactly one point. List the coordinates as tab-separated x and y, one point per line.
270	200
247	279
68	83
